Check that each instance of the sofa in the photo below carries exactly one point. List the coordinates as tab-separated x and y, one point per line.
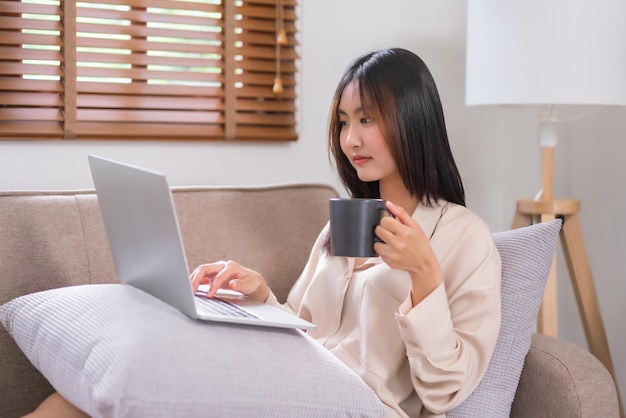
56	240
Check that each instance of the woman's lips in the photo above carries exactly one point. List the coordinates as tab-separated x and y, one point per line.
360	159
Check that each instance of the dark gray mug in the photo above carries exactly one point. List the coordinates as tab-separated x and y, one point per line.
352	224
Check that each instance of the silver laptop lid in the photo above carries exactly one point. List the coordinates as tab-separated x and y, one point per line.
141	225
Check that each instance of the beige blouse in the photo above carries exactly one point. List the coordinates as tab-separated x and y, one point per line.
421	361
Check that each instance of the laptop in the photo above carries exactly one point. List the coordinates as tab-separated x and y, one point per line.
142	228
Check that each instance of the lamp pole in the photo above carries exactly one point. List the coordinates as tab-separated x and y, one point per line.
545	208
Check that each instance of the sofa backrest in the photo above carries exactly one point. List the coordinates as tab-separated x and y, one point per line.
55	239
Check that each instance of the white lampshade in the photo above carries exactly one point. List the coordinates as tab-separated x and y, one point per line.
546	52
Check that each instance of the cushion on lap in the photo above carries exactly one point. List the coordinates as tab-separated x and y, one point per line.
115	351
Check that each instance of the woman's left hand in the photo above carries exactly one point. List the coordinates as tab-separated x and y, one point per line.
406	247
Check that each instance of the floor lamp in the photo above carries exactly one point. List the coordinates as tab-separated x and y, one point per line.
556	56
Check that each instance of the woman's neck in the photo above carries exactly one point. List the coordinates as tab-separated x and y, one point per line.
400	196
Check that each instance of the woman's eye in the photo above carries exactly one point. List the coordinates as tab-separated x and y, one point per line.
342	123
366	120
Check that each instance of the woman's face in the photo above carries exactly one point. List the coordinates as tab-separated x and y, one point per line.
362	142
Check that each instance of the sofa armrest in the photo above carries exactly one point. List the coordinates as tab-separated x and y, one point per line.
560	379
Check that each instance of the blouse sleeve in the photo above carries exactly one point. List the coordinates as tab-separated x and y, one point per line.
451	334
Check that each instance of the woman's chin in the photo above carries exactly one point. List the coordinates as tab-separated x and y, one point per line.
368	179
365	177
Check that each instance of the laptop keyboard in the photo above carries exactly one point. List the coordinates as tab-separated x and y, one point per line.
218	307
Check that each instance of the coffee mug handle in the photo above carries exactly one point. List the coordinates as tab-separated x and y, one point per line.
383	208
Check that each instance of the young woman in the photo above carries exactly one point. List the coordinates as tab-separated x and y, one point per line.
419	323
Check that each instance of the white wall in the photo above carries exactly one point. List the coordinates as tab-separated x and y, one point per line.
496	149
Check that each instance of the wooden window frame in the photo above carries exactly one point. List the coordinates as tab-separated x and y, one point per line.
251	95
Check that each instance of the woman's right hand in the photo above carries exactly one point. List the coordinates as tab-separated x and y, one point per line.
230	275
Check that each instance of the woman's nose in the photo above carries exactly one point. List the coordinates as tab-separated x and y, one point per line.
353	136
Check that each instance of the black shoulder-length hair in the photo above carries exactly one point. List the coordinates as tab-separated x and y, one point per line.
398	91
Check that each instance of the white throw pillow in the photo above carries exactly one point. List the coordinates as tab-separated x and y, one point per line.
115	351
527	255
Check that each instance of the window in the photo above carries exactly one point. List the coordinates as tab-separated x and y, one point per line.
148	69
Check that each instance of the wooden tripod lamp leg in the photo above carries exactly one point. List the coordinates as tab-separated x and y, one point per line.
584	289
548	316
548	209
585	292
580	275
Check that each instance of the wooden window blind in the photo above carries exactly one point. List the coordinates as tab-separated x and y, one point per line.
148	69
